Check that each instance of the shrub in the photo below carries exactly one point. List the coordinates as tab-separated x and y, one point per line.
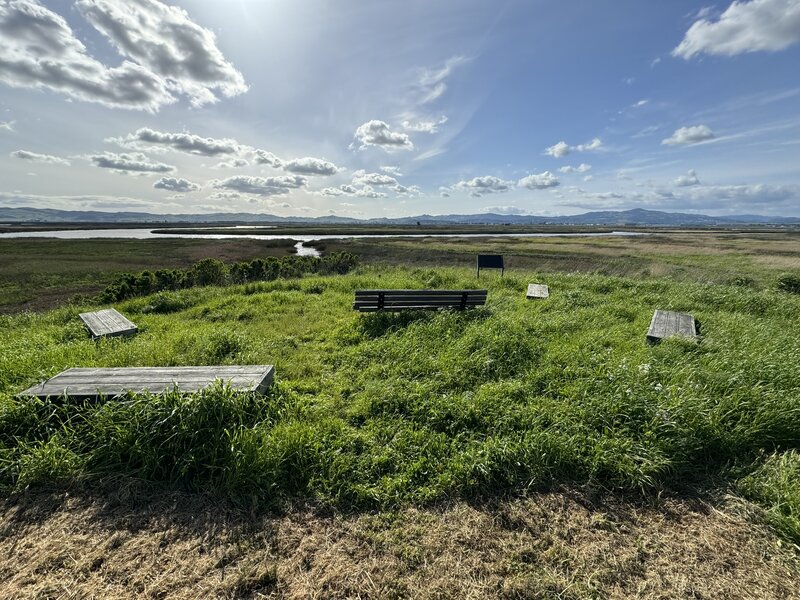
211	271
789	282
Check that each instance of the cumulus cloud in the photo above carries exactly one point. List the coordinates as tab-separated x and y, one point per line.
581	168
562	149
689	135
180	142
310	166
165	41
36	157
539	181
377	133
558	150
261	186
365	191
488	184
262	157
757	25
233	163
178	185
361	177
425	125
135	162
402	190
686	180
40	50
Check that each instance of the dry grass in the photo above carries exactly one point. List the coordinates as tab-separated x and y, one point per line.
554	545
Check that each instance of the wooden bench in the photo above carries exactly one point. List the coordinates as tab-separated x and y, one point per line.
92	384
537	290
396	300
107	323
666	323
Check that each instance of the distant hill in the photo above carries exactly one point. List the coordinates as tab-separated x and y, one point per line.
633	217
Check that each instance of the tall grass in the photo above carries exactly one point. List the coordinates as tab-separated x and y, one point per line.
379	410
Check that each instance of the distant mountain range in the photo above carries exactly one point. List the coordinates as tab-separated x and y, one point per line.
634	217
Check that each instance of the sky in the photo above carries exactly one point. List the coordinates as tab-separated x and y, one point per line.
392	108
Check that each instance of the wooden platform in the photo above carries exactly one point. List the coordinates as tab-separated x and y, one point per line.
666	324
92	384
537	290
107	323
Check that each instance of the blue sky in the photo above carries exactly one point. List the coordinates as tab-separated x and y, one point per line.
389	108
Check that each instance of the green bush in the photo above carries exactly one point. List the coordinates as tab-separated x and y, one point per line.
211	271
789	282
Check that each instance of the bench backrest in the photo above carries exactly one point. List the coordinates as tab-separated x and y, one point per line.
375	300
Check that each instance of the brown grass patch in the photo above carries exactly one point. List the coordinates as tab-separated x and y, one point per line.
554	545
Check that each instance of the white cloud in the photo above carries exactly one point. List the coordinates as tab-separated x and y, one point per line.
588	178
640	103
558	150
260	186
180	142
411	190
686	180
581	168
233	163
365	191
562	149
427	126
431	83
163	39
488	184
7	125
361	177
689	135
310	166
539	181
262	157
36	157
135	162
39	50
395	171
503	210
378	133
757	25
595	144
173	184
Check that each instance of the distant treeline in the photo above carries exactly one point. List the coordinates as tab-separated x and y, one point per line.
211	271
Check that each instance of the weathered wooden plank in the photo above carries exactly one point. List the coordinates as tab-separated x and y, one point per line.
538	290
666	323
107	323
94	383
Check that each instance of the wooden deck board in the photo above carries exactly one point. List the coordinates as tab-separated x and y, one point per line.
666	323
107	323
537	290
93	383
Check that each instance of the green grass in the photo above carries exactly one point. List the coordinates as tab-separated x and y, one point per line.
375	411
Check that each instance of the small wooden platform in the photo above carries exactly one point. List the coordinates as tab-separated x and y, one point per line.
666	324
92	384
107	323
537	290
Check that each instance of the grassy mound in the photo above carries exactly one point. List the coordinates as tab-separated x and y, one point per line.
385	410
